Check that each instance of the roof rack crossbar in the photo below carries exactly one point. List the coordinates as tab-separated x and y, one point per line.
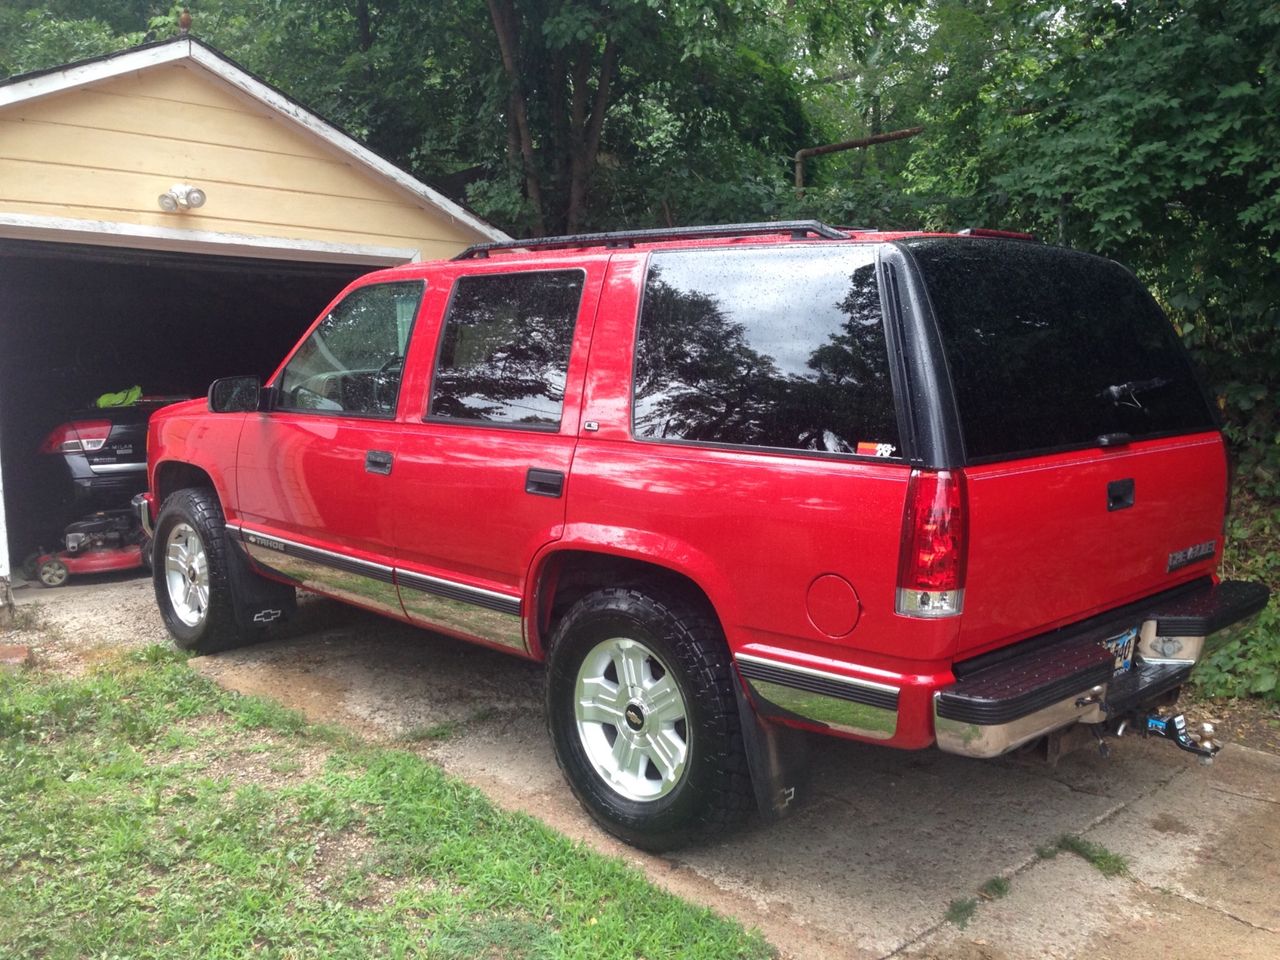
627	238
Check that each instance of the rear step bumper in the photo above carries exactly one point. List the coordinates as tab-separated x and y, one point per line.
1098	670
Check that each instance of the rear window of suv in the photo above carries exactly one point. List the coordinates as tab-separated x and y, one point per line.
777	347
1051	349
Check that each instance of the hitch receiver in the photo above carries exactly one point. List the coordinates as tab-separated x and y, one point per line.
1175	728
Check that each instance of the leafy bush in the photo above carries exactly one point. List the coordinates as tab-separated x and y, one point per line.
1250	663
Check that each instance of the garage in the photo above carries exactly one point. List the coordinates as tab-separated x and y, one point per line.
167	218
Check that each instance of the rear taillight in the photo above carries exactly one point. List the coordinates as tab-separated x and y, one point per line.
931	566
77	437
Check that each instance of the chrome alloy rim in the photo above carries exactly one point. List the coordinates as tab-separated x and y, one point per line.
631	719
186	574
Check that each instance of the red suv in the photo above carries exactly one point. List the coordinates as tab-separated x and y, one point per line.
726	481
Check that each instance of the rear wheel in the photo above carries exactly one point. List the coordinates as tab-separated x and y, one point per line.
643	717
192	585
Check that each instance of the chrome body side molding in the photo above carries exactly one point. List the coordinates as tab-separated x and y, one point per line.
429	601
455	606
783	691
360	582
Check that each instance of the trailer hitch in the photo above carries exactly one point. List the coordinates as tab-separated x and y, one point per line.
1175	728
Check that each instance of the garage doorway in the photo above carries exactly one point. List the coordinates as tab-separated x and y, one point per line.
80	321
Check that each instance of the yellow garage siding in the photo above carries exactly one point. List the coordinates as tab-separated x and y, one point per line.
108	150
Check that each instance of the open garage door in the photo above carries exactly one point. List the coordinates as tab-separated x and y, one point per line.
80	321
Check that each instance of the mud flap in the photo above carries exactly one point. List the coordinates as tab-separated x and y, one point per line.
777	758
259	602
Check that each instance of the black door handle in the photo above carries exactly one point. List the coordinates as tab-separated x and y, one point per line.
378	461
1120	494
544	483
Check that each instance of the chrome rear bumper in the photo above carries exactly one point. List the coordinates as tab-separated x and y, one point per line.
1083	675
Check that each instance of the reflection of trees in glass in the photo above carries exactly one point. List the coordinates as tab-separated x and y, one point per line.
352	361
702	375
505	350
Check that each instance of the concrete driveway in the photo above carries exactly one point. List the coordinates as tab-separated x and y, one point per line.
885	847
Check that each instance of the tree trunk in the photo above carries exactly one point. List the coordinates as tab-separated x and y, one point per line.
504	25
364	26
586	132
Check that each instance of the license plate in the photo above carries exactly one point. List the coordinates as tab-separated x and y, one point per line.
1121	647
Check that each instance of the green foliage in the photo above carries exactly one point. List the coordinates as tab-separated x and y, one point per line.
1108	863
1154	142
32	36
960	912
996	888
1249	663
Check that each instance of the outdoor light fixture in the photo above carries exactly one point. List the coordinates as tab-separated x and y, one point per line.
181	196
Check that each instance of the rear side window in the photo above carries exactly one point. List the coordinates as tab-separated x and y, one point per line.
767	347
1050	348
504	352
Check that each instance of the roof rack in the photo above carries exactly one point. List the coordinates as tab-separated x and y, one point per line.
628	238
998	234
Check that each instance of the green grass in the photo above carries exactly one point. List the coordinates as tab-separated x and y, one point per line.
1109	864
960	912
995	888
146	813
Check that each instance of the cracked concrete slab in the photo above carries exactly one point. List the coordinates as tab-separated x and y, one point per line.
886	842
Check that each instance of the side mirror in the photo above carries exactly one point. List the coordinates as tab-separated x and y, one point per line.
236	395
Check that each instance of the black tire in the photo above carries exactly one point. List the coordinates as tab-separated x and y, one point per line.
217	629
712	792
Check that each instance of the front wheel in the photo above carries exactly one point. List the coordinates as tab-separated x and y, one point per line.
53	572
189	571
642	714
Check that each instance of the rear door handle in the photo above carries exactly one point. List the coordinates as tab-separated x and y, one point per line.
544	483
378	461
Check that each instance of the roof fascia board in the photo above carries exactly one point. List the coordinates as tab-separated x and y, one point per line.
79	75
112	234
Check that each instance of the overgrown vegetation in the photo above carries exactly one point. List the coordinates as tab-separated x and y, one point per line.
1108	863
146	813
1144	131
960	912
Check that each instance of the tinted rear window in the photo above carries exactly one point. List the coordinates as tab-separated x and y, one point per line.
1049	348
769	347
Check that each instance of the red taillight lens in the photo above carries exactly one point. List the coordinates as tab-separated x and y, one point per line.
931	567
77	437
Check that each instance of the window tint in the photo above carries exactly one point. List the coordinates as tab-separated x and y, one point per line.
353	361
770	347
504	353
1036	339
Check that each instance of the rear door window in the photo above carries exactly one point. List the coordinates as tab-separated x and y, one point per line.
778	347
1051	349
504	353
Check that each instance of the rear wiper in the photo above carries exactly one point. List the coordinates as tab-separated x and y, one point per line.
1127	393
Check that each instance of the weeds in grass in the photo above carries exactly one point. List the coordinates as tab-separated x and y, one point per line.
116	844
435	731
960	912
1109	864
995	888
